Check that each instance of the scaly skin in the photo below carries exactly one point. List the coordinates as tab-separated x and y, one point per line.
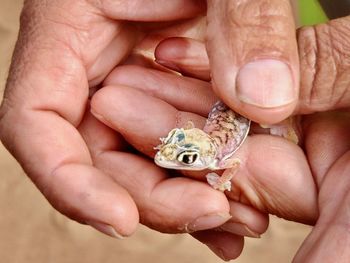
190	148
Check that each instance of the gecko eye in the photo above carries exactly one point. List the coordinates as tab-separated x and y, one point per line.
187	158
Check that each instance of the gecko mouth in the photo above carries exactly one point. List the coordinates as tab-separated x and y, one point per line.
162	162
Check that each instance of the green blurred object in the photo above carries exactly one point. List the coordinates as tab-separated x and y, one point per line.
311	12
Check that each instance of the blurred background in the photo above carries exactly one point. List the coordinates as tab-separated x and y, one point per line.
32	231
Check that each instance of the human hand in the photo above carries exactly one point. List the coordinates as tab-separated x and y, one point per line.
324	88
64	49
21	113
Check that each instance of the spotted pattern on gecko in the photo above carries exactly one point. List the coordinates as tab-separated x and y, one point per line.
190	148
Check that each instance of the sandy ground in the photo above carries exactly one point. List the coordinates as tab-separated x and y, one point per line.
32	231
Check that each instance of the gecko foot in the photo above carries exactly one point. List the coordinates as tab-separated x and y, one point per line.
223	182
218	182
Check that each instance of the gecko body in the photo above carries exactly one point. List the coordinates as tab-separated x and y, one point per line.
212	148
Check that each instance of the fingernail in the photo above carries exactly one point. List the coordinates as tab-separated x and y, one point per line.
266	83
219	252
168	64
239	229
208	221
96	115
100	117
106	229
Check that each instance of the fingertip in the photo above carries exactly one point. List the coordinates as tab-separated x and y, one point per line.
108	102
184	55
225	245
263	115
126	216
105	229
171	48
246	221
256	69
201	207
262	100
266	83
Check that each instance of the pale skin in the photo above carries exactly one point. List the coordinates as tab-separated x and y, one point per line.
47	93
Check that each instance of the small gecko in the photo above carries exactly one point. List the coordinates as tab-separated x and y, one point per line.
212	148
190	148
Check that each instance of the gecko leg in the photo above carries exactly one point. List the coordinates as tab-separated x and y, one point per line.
286	129
223	182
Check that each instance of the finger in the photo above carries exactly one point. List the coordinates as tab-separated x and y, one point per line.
166	204
151	10
64	173
331	128
246	221
323	62
132	122
44	101
253	57
334	198
144	50
108	50
171	205
275	178
268	162
184	55
186	93
225	245
324	51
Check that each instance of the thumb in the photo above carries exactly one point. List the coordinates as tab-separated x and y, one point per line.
324	52
253	56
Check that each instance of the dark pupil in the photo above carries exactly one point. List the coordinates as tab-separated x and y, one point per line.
189	158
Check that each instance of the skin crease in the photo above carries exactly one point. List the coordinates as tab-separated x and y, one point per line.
62	52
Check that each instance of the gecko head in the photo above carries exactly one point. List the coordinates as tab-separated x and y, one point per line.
186	149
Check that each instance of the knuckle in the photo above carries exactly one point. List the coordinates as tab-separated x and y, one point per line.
257	13
324	52
258	28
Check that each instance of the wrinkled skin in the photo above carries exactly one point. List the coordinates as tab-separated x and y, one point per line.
80	165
